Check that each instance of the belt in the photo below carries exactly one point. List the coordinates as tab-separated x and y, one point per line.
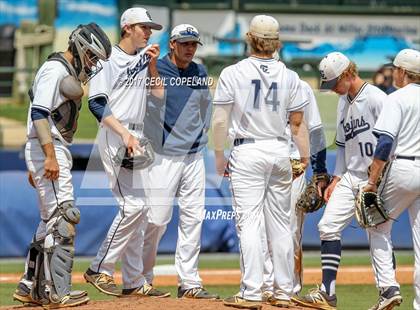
413	158
239	141
133	126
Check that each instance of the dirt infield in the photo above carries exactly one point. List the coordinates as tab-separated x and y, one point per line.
346	275
152	304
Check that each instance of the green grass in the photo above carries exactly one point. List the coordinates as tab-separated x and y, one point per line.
350	297
311	259
87	124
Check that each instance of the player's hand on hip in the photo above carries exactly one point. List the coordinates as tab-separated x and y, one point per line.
330	188
51	168
153	52
221	163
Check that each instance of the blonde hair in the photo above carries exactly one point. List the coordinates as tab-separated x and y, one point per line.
351	70
262	46
414	77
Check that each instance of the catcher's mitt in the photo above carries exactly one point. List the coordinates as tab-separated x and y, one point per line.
310	201
136	162
297	168
370	210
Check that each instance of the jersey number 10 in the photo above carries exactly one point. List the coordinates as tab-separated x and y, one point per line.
366	150
270	99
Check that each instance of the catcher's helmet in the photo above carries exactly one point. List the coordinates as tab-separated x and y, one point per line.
88	44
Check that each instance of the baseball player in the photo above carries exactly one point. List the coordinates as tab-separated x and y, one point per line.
178	128
55	98
358	109
254	100
313	122
117	98
398	130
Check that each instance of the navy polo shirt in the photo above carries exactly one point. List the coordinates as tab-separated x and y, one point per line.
178	124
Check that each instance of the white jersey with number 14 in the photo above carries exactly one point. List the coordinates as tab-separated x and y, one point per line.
262	92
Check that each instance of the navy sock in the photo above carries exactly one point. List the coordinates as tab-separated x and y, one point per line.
330	258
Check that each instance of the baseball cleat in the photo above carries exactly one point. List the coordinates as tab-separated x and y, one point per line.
103	282
282	303
389	299
317	299
68	301
267	296
145	290
242	303
196	293
23	294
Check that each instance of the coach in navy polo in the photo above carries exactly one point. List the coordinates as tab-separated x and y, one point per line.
178	128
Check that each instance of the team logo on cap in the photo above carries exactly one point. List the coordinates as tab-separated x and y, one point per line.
323	76
148	15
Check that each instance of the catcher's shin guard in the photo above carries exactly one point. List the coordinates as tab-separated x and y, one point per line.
59	251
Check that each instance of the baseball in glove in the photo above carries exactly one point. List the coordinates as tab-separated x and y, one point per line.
370	210
297	168
310	200
136	162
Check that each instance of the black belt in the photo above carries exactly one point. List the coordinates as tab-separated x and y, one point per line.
413	158
133	126
239	141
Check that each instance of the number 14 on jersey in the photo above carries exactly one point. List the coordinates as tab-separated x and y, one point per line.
269	99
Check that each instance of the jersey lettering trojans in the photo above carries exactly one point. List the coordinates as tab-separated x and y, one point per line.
355	121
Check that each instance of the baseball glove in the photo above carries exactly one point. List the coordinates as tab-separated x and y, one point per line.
310	201
370	210
297	168
136	162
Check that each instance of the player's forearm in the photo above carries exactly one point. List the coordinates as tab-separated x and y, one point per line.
220	124
376	170
43	131
156	87
340	162
318	150
111	122
300	135
49	150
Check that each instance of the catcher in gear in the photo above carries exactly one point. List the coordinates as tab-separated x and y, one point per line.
55	98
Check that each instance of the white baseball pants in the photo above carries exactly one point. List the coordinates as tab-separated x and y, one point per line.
341	207
261	182
296	224
401	191
182	177
126	235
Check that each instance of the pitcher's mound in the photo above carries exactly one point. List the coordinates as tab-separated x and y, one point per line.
151	304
